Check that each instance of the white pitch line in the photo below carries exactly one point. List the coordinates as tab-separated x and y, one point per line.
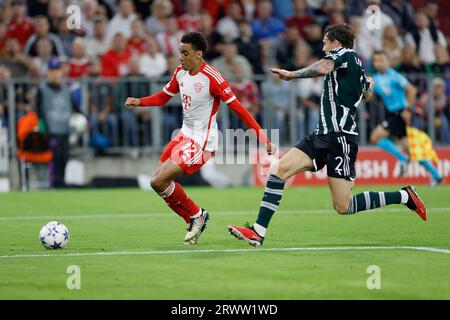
113	253
165	214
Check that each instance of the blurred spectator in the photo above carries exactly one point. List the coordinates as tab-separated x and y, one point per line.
229	58
286	47
20	26
153	64
44	50
54	106
309	92
37	7
66	36
122	20
249	9
315	39
143	7
79	63
55	13
392	44
15	61
42	31
319	10
3	37
216	9
16	65
316	4
336	12
97	45
266	26
441	103
276	99
374	33
172	115
401	12
102	119
301	18
228	25
189	20
213	37
442	66
431	9
283	9
424	39
170	39
134	85
115	61
89	9
136	41
160	9
356	7
412	69
247	92
302	55
363	46
249	47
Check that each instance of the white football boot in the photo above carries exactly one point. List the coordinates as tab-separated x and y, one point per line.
196	228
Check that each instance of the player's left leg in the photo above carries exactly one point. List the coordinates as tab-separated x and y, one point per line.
177	199
295	161
344	203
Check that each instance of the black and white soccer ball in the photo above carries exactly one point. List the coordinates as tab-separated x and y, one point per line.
54	235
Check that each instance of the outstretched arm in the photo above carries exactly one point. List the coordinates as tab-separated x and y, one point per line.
157	99
317	69
250	122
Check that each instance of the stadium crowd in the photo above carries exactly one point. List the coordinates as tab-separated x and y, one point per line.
121	46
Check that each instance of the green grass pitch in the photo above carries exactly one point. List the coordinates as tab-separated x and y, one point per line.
121	223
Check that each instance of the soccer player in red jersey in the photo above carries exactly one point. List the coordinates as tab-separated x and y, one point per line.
202	88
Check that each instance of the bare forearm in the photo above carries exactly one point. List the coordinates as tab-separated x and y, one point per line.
317	69
411	95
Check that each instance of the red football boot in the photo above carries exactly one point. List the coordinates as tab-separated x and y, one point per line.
247	234
415	203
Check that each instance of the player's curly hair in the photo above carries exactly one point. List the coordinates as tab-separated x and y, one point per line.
343	33
197	40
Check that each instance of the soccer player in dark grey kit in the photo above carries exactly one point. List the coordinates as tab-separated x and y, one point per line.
334	142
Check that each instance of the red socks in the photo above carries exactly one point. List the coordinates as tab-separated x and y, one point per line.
179	201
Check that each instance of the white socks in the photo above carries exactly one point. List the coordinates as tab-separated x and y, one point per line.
260	230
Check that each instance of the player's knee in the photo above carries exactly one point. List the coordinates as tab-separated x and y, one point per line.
157	183
341	207
280	173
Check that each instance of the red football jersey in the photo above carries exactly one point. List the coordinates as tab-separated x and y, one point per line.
20	30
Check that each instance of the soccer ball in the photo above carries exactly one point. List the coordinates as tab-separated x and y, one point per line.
54	235
78	123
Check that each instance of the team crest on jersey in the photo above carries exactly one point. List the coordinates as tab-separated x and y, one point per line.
198	86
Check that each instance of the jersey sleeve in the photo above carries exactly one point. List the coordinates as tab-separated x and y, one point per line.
172	88
365	82
402	80
220	87
338	59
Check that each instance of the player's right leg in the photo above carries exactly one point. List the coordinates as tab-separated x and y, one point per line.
295	161
346	204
